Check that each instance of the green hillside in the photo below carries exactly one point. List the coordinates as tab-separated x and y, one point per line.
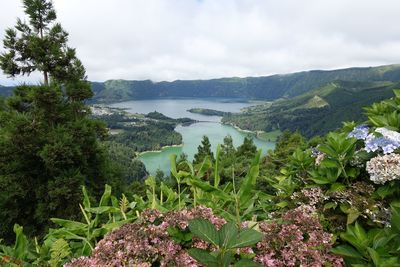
316	112
266	88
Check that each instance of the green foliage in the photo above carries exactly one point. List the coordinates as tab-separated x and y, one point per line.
339	150
203	151
49	149
375	247
226	241
344	101
40	45
386	113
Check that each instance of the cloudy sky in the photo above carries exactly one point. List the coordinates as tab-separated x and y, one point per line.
200	39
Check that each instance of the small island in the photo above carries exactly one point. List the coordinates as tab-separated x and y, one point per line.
209	112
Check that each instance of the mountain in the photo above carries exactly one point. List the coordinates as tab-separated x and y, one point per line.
315	112
267	88
6	90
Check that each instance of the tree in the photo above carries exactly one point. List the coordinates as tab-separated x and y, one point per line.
203	150
49	146
247	149
40	45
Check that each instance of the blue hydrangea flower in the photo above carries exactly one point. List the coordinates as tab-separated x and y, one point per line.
360	132
373	143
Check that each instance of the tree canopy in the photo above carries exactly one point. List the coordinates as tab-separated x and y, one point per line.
40	45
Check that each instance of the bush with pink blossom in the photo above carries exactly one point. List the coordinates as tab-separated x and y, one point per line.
297	240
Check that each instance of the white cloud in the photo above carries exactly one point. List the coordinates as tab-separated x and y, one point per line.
191	39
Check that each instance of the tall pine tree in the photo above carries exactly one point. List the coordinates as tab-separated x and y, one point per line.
203	150
40	45
49	146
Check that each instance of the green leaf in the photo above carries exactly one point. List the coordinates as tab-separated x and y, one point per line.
360	232
172	159
59	251
385	190
247	237
328	163
249	182
21	242
204	230
106	196
71	225
336	187
352	215
330	205
347	251
374	256
395	221
217	178
103	209
86	200
246	263
204	257
227	234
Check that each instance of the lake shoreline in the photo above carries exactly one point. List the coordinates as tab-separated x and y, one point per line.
158	151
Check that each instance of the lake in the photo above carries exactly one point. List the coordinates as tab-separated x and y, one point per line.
192	135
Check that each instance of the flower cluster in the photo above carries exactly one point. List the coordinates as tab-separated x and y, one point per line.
360	132
388	142
311	196
299	241
147	243
384	168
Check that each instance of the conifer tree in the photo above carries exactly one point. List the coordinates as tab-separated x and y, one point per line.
49	146
203	150
40	45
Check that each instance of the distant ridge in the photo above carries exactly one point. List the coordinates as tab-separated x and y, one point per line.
315	112
265	87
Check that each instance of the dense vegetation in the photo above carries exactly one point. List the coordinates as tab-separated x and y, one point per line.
49	146
209	112
316	112
267	88
327	201
330	201
141	132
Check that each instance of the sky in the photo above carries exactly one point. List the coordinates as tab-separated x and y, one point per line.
202	39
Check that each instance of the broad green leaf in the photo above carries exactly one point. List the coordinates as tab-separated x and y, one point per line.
172	159
347	251
225	259
71	225
360	232
249	182
330	205
106	196
103	209
395	222
21	242
204	230
86	200
352	215
204	257
246	263
204	167
217	178
247	237
227	234
336	187
374	256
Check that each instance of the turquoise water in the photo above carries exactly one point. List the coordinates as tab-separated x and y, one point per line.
177	108
192	135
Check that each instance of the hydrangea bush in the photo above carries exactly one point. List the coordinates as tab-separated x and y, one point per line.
148	242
